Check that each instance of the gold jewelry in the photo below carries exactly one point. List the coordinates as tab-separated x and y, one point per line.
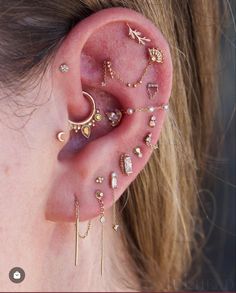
114	185
134	34
126	164
152	89
99	195
99	179
64	68
152	121
155	56
148	142
61	136
114	117
85	125
77	233
138	152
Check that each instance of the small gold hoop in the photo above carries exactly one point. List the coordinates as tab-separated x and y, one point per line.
86	124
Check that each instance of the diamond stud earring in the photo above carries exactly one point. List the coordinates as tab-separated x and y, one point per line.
64	68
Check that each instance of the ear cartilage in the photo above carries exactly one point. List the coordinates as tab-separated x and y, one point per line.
114	185
136	35
138	152
148	142
61	136
126	164
152	121
85	125
155	55
64	68
152	89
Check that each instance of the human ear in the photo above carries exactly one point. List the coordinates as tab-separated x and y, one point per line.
123	38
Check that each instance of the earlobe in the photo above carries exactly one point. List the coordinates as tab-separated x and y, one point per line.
114	76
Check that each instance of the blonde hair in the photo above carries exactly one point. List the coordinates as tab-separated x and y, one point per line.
161	206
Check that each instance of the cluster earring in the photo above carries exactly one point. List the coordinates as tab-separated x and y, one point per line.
85	125
77	233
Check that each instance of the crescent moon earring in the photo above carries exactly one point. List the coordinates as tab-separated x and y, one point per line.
61	136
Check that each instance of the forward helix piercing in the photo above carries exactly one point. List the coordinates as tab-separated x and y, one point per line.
85	125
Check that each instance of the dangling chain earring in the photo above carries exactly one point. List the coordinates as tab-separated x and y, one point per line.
77	233
114	185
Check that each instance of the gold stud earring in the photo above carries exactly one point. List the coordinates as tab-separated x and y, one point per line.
138	152
77	233
85	125
64	68
148	142
114	185
61	136
99	195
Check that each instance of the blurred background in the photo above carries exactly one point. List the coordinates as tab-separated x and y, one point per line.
219	191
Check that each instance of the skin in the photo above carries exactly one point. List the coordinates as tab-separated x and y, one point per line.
40	176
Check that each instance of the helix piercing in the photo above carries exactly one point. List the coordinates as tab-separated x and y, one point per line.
114	185
85	125
148	142
126	164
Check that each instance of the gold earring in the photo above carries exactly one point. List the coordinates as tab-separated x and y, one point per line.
77	233
85	125
134	34
99	195
114	185
61	136
148	142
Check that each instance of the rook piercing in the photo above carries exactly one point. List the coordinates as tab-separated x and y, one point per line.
134	34
85	125
138	152
114	185
126	164
64	68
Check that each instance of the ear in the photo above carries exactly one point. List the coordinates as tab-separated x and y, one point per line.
111	34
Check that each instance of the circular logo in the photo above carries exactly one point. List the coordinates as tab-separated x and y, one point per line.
16	275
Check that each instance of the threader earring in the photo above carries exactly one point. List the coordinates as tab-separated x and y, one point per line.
77	233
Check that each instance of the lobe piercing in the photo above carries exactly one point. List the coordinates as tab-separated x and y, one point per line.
61	136
126	164
85	125
148	141
134	34
114	185
99	195
138	152
152	89
64	68
77	233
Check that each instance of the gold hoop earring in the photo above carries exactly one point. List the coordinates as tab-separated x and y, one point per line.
85	125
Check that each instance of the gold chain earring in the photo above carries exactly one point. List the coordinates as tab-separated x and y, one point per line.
77	233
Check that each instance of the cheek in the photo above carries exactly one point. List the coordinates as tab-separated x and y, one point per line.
25	176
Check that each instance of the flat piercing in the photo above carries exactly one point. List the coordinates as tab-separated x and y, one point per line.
64	68
152	89
114	185
126	164
136	35
138	152
85	125
61	136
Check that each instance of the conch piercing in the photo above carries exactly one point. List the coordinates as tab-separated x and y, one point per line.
136	35
64	68
99	196
85	125
155	56
77	233
114	185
